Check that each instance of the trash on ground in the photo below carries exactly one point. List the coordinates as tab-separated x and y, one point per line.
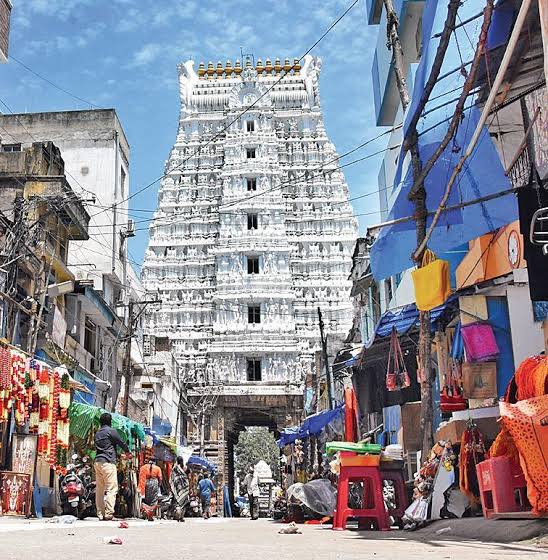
443	530
123	525
63	519
112	540
291	529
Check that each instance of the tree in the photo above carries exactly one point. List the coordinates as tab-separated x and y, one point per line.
256	444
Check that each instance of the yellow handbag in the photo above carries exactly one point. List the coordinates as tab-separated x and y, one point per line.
432	282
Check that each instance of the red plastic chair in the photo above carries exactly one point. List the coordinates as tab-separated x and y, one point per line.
502	487
373	510
396	476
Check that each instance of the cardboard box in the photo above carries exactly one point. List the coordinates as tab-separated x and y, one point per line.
479	380
453	430
409	435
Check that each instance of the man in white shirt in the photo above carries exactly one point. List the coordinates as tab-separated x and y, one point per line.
251	483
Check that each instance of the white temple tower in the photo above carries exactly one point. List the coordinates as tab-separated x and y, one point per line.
252	234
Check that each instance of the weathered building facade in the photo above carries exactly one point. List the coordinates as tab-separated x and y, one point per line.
253	233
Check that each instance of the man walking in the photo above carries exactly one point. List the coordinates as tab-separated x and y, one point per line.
206	488
107	440
251	483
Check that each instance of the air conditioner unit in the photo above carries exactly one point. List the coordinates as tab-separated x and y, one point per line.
130	231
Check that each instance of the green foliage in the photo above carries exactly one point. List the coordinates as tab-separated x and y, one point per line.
256	444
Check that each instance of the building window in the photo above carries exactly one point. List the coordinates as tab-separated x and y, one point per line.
250	126
251	153
90	337
253	314
251	184
122	181
253	265
11	147
252	221
254	370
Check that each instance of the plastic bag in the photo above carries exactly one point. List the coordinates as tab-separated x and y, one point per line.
318	495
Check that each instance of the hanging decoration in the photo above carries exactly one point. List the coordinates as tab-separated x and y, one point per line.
38	395
472	452
397	376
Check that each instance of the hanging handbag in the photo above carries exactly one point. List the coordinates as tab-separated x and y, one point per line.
432	282
397	376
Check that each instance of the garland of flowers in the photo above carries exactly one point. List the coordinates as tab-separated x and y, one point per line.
5	383
63	424
55	387
43	412
40	396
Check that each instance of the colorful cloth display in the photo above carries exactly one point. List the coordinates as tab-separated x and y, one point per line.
479	342
472	452
526	423
523	436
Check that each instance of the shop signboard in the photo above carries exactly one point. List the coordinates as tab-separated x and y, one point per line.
24	453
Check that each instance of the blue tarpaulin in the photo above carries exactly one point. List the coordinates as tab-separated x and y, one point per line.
312	426
403	319
193	460
482	174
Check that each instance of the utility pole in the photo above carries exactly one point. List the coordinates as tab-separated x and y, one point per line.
127	359
132	322
328	373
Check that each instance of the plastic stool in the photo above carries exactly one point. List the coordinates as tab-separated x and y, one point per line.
373	510
396	476
502	487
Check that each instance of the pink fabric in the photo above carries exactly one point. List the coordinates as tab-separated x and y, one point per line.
479	342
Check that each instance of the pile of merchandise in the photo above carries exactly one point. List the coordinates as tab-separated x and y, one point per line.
523	437
40	395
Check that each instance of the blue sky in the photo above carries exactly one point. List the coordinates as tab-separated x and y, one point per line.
123	54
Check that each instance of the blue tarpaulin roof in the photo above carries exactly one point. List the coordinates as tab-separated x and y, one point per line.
403	319
482	174
193	460
312	426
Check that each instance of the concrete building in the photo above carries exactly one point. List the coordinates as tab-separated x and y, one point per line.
96	154
253	233
41	218
5	15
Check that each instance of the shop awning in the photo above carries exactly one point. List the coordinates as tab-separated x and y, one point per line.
482	175
347	357
312	426
404	319
202	462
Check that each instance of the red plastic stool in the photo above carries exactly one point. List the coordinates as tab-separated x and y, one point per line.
373	510
502	486
396	476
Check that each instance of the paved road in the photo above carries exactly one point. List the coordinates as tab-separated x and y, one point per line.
237	539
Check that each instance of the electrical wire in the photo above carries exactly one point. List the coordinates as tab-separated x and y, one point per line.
53	84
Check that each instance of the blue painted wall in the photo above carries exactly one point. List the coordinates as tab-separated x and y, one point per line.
497	308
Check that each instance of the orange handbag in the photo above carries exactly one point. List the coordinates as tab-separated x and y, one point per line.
432	282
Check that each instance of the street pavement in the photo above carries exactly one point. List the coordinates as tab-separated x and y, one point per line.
231	539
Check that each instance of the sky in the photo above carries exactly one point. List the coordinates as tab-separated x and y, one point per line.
123	54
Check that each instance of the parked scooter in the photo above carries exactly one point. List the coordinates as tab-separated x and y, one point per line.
77	490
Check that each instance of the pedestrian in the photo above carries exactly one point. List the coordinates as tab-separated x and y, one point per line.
150	480
251	483
107	440
180	487
205	489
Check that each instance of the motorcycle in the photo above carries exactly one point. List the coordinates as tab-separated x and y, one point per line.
77	491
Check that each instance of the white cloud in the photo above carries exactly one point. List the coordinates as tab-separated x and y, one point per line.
146	54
